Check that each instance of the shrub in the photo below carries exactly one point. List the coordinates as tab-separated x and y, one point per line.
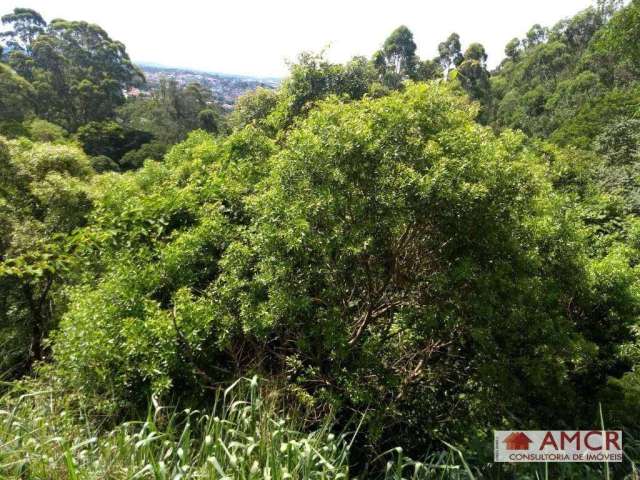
391	256
102	164
43	131
43	198
110	139
149	151
244	435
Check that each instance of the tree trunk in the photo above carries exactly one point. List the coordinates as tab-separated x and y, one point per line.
39	321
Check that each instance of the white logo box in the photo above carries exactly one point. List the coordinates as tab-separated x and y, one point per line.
558	446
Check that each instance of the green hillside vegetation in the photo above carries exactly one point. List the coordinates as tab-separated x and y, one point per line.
361	274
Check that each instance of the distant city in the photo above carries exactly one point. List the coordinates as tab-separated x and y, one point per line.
226	88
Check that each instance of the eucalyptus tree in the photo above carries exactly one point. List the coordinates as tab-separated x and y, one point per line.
450	52
78	72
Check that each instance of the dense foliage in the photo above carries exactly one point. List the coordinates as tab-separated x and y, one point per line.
73	75
43	196
410	250
77	71
568	83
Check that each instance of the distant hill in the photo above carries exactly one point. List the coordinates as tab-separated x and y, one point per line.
226	88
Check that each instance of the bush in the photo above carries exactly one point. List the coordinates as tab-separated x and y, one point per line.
43	198
390	257
253	108
13	129
110	139
102	164
149	151
209	120
43	131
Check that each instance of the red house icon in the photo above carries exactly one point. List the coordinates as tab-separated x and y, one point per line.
517	441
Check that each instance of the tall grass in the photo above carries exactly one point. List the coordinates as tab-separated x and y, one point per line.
244	436
241	438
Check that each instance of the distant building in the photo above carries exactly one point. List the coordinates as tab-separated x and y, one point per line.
225	88
132	92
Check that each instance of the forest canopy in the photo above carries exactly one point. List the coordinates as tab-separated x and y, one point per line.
409	253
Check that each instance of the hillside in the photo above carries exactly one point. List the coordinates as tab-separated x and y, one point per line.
225	88
360	272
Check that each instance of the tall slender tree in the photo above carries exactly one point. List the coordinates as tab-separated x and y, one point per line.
450	53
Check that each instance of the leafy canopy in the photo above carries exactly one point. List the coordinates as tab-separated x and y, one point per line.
390	255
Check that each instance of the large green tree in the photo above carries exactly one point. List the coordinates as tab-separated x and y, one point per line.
16	95
26	26
388	256
172	111
78	72
399	52
43	197
474	78
450	52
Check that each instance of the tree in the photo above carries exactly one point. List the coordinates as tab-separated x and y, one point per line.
209	120
313	78
43	197
386	255
566	84
578	31
133	159
102	163
474	77
77	70
26	26
621	34
17	95
43	131
357	76
171	112
253	108
428	70
535	36
619	146
450	53
399	51
110	139
512	49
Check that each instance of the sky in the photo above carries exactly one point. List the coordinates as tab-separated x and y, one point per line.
256	37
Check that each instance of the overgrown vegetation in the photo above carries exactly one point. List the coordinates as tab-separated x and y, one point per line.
412	253
241	437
